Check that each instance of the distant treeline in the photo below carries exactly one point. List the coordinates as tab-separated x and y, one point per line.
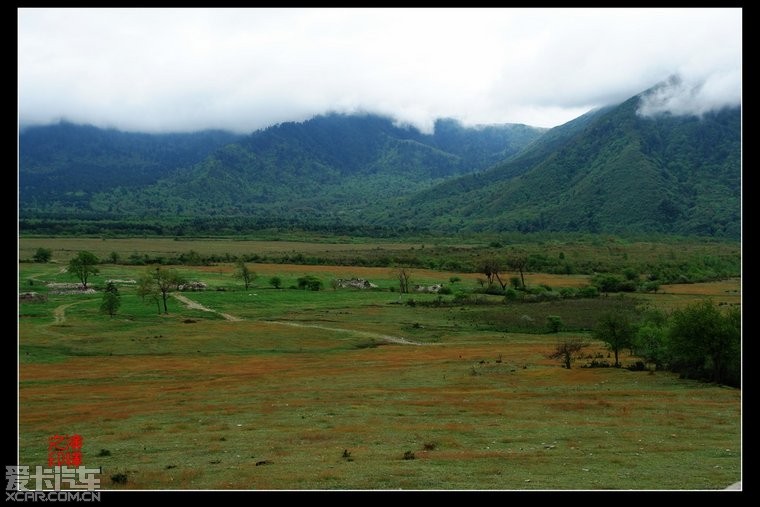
88	224
611	273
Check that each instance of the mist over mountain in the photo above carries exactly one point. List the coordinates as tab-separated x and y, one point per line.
612	170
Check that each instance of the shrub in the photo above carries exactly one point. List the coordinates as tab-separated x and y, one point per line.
309	282
43	255
588	292
554	323
119	478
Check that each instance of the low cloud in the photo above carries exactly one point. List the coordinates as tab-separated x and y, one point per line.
681	97
161	70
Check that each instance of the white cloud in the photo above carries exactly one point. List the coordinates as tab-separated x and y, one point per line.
243	69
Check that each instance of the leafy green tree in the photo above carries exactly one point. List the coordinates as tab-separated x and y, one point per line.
111	300
243	273
309	282
83	266
616	330
43	255
705	343
554	323
275	282
650	286
114	257
567	350
607	283
631	274
650	340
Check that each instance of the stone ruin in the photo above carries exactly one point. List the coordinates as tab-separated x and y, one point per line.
432	289
354	283
192	286
64	289
32	297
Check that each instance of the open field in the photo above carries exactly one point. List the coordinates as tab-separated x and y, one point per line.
331	389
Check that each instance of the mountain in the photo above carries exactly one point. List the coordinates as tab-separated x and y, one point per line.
328	166
62	166
610	170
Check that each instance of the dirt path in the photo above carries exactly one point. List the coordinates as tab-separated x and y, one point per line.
59	313
194	305
383	337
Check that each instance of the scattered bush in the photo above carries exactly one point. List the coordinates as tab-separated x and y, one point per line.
120	478
588	292
637	366
43	255
597	364
309	282
554	323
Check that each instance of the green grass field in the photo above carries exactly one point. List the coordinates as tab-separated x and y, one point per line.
332	389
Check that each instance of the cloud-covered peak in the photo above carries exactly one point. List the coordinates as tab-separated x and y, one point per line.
693	97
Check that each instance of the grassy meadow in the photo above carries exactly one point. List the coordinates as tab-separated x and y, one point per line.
356	389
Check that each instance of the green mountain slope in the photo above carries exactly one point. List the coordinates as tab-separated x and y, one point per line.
62	166
329	166
608	171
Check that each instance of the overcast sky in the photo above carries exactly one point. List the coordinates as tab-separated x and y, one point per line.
244	69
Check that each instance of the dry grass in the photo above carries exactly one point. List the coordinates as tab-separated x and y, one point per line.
201	406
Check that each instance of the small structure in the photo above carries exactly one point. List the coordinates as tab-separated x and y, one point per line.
32	297
192	286
432	289
354	283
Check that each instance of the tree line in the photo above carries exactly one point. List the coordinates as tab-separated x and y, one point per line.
700	341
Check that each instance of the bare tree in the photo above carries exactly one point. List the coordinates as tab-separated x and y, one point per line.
242	272
147	288
566	350
166	281
404	278
518	262
491	268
